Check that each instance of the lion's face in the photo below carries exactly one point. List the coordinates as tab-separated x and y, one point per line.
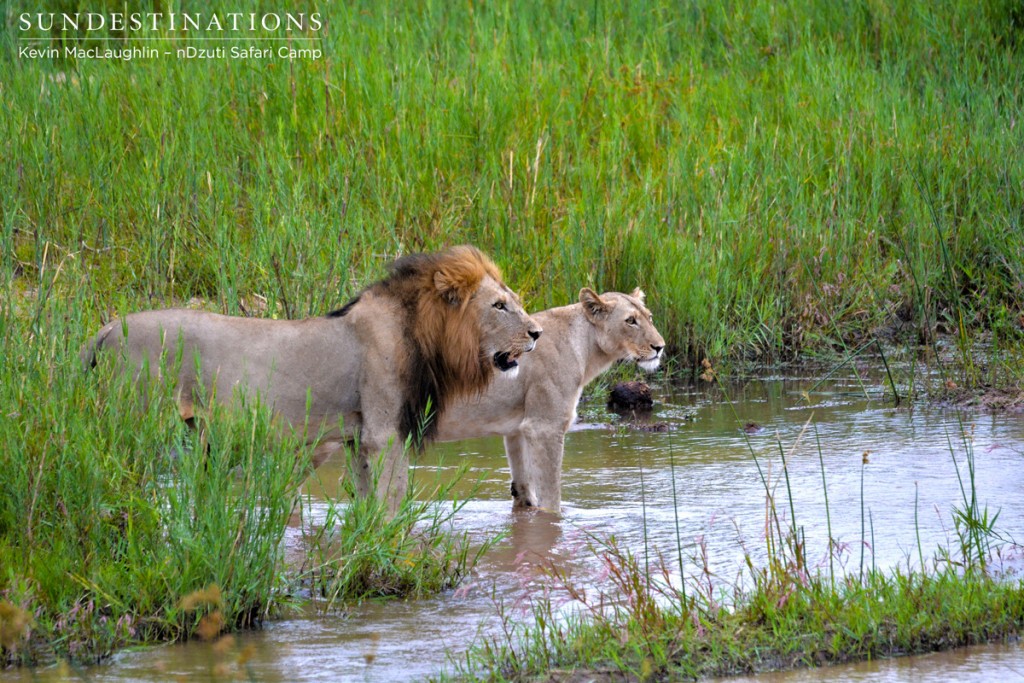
624	327
506	331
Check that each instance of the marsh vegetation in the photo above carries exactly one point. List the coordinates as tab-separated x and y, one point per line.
784	181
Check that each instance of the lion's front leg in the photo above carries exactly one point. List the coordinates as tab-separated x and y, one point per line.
382	465
394	483
383	472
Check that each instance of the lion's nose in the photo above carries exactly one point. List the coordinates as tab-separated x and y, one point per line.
535	334
657	349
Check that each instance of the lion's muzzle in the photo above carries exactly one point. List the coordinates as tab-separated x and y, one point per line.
509	360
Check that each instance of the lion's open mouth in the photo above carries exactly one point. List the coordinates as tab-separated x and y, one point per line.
504	361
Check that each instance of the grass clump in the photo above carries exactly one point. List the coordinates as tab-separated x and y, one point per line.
112	512
647	630
362	551
646	626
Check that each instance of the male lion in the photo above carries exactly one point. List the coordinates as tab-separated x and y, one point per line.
435	329
533	413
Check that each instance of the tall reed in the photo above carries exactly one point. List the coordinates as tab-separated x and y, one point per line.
779	179
112	512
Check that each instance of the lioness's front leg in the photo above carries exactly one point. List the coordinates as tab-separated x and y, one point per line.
515	451
535	458
324	450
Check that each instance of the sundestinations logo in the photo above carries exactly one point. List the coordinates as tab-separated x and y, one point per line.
153	35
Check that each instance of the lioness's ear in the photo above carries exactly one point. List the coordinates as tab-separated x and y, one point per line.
639	294
594	306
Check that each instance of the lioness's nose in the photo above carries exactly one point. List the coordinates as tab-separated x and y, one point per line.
657	349
535	334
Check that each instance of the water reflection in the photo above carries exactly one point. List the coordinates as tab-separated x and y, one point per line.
696	490
1003	663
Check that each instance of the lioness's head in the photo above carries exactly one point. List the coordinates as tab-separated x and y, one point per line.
624	326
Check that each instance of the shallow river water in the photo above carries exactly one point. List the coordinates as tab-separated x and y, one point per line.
891	477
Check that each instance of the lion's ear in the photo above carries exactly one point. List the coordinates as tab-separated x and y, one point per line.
639	294
594	306
453	286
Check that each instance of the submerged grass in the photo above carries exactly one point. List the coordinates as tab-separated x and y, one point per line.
650	621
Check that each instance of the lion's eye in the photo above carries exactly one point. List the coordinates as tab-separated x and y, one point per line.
631	320
500	305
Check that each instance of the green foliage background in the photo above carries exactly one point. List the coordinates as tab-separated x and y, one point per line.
777	176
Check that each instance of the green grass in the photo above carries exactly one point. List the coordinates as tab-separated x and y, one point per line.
112	513
647	631
778	178
120	526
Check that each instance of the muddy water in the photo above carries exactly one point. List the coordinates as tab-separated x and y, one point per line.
695	489
996	663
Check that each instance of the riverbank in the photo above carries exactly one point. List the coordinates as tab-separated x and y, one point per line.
786	621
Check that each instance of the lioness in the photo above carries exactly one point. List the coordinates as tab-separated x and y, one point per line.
533	413
434	330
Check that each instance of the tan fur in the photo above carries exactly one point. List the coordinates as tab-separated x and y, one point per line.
429	332
534	411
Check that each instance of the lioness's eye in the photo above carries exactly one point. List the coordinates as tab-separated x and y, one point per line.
500	305
631	320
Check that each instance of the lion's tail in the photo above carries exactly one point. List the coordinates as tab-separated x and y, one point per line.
92	347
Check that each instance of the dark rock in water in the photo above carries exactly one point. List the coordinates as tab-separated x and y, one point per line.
630	396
